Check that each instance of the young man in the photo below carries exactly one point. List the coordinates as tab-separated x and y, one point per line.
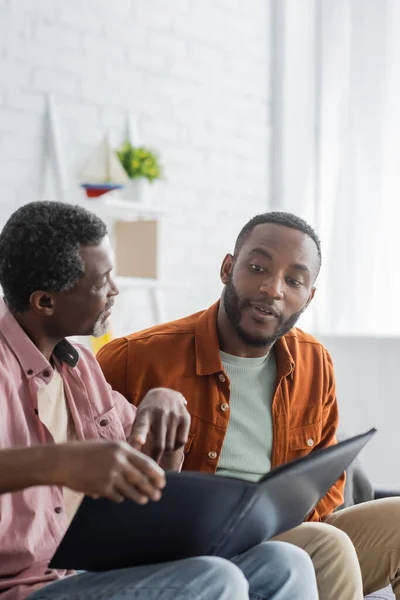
261	392
55	272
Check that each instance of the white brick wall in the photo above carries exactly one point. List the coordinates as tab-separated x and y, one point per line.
196	75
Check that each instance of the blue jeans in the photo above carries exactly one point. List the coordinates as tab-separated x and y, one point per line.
272	570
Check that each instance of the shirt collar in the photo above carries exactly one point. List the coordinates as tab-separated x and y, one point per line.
208	360
30	358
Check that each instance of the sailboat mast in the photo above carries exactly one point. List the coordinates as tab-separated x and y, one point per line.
108	159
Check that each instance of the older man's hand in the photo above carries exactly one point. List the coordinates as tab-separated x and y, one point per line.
162	423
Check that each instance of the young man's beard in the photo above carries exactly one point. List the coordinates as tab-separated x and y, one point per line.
234	307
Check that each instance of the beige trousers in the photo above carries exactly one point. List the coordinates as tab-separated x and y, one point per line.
356	551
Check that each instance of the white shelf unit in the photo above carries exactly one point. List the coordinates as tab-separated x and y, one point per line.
112	208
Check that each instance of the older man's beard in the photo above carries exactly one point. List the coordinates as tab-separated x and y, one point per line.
234	308
100	326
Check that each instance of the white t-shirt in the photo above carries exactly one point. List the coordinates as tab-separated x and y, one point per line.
56	416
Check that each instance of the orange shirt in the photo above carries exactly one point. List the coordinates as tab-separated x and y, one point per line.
184	355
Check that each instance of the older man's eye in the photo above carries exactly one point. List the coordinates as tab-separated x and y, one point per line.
100	286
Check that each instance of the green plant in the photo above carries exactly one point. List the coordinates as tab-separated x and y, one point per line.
139	162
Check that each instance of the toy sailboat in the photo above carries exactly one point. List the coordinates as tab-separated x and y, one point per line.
103	172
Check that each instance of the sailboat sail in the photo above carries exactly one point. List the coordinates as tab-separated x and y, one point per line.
103	166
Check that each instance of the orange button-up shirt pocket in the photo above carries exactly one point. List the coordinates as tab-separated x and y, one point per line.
303	440
189	443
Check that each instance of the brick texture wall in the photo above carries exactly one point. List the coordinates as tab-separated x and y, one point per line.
194	73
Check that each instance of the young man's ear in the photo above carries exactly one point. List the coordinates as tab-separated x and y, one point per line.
43	303
226	268
310	297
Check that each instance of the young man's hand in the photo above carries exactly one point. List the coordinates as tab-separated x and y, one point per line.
162	423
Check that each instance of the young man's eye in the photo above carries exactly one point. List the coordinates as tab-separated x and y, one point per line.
294	282
256	268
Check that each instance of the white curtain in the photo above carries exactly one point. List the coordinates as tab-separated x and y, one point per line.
348	158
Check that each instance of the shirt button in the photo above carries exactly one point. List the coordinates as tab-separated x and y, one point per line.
35	410
212	454
222	377
46	373
58	510
310	442
30	371
103	422
224	406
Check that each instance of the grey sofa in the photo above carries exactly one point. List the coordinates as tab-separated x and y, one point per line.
385	594
359	489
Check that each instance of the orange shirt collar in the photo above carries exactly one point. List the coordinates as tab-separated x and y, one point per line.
208	360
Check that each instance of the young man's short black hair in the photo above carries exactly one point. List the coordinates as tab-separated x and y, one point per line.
39	249
278	218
